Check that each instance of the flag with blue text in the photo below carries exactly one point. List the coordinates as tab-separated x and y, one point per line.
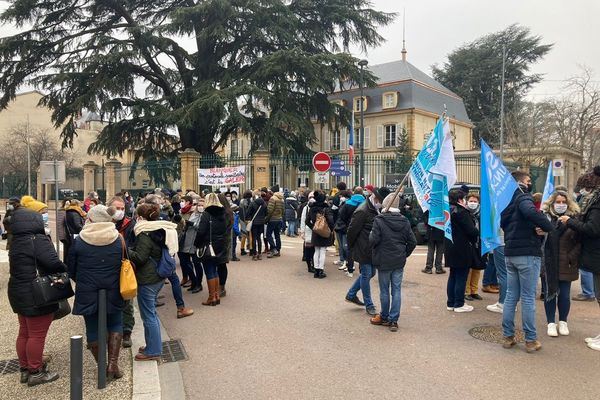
497	190
419	173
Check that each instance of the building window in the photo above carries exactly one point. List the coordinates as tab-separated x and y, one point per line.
336	140
356	104
390	166
235	148
390	100
390	135
274	175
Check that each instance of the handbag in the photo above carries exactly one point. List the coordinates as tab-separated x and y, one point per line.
249	224
209	247
64	309
127	281
321	226
50	289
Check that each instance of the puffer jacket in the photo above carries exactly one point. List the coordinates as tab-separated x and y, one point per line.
519	221
359	230
212	229
30	247
392	239
291	209
275	208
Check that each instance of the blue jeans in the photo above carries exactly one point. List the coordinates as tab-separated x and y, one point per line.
523	275
114	324
390	278
363	282
500	263
489	274
274	228
176	288
147	303
342	239
587	283
210	270
291	229
455	289
562	299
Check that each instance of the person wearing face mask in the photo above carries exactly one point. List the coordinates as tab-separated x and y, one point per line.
188	227
524	228
479	262
38	206
13	204
187	268
459	252
73	223
587	225
561	262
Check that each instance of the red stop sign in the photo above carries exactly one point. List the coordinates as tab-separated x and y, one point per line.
321	162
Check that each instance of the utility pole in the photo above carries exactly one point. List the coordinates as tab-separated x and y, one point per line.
502	104
362	64
28	158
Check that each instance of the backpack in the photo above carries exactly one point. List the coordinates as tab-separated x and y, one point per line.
321	227
165	267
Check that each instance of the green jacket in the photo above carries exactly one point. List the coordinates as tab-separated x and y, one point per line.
275	208
145	268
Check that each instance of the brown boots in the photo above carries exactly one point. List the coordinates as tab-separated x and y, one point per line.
213	293
114	348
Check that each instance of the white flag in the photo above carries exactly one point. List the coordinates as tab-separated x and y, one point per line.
446	165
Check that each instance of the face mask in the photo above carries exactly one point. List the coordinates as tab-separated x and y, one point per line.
472	205
310	201
45	217
560	208
200	209
584	192
343	199
119	215
10	207
182	204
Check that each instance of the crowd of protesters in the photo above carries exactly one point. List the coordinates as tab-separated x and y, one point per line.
554	240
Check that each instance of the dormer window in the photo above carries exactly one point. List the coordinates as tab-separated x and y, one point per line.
390	100
356	104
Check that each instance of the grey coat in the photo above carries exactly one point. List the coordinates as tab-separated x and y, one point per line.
189	235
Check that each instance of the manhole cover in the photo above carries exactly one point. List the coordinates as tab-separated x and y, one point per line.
173	351
9	366
493	334
409	284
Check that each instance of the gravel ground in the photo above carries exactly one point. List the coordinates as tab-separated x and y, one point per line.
57	344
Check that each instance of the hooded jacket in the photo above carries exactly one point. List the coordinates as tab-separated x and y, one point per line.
392	239
587	225
359	230
320	207
460	252
275	208
258	211
212	229
291	209
30	248
346	211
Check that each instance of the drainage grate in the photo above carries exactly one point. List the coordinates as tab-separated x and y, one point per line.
173	351
9	366
493	334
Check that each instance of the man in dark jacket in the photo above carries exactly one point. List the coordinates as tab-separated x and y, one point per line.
275	210
358	242
341	229
524	227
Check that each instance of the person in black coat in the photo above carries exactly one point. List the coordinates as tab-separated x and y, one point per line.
95	263
211	242
320	207
435	248
341	229
459	252
73	223
256	213
31	253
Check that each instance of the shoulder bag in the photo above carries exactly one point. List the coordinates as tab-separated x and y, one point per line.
127	281
249	224
209	247
321	226
51	288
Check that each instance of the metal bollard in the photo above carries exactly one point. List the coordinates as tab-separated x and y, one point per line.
77	367
102	337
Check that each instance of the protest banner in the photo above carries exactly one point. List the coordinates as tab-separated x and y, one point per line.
222	176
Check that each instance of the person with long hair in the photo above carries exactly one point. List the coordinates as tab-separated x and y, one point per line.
561	262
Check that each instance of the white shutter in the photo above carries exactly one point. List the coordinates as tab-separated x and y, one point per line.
367	138
380	137
343	139
326	140
398	133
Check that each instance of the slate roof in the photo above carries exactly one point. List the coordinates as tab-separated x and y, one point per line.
415	88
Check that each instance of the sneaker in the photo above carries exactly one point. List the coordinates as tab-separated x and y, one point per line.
594	345
343	266
371	311
463	309
532	346
377	320
552	332
592	339
355	300
41	377
427	270
496	307
393	327
349	274
582	297
450	308
508	342
563	328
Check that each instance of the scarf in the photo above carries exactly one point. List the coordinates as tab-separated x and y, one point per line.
76	208
171	239
186	209
99	233
590	200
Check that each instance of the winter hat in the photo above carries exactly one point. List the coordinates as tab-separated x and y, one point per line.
590	179
99	213
32	204
391	201
381	193
275	188
14	200
320	197
465	189
293	194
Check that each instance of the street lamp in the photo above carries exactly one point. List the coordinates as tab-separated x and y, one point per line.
362	64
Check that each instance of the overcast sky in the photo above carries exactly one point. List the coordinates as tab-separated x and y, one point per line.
435	27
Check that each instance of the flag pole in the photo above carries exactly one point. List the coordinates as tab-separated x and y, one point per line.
398	190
